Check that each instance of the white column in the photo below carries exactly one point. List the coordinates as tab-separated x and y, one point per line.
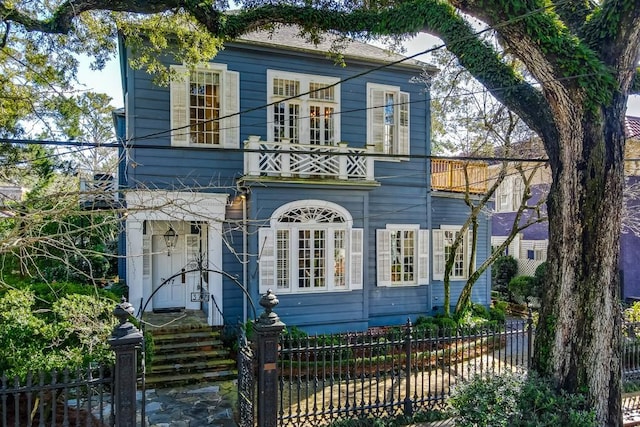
135	279
252	158
342	159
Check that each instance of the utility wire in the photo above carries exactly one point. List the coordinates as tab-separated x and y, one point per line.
363	73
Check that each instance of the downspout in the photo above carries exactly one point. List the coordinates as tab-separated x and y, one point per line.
245	266
428	181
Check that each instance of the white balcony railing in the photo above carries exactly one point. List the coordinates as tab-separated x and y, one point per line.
99	192
286	160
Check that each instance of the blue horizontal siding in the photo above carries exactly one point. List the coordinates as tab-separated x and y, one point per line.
401	197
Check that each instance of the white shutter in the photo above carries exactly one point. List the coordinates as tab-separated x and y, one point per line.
423	257
508	192
266	260
383	252
438	254
231	108
146	255
469	252
375	129
403	124
356	258
179	107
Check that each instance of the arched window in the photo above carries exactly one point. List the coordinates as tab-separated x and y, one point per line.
310	247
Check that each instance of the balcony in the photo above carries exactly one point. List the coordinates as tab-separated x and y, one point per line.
286	161
98	193
449	175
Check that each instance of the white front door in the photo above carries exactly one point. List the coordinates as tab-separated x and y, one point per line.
173	293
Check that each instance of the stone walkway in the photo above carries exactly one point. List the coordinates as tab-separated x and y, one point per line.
191	406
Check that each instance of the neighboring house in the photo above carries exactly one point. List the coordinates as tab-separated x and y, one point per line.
530	246
276	168
9	193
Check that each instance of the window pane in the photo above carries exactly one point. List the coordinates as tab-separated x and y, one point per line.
286	87
389	123
304	259
408	255
458	260
402	256
321	91
319	259
204	107
339	259
311	258
285	121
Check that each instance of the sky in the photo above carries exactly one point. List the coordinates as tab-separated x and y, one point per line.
108	80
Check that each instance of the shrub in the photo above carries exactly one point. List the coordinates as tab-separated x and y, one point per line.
426	325
447	325
540	275
517	399
70	333
524	288
503	270
498	311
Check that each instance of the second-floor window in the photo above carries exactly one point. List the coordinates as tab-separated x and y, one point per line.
304	108
388	119
204	106
509	194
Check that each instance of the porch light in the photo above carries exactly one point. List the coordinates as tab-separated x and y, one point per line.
170	239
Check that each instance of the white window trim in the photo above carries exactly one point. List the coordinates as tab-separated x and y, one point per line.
229	106
420	256
439	251
303	101
267	253
402	141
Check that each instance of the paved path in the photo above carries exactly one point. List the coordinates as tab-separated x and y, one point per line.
191	406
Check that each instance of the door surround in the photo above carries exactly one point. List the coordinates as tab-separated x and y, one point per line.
162	205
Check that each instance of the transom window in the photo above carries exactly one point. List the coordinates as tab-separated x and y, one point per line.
315	249
310	116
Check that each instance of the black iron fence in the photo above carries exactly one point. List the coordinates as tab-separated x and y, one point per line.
389	372
80	398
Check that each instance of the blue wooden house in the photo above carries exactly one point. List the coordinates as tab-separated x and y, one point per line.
274	167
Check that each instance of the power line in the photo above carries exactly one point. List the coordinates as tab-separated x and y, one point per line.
276	151
363	73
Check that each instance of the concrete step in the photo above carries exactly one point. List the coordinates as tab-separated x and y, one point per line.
189	355
185	336
164	380
173	346
186	367
218	353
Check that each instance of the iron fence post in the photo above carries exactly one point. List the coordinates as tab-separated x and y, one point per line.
124	341
268	328
529	338
408	406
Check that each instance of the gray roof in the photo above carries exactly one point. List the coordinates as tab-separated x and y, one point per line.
289	37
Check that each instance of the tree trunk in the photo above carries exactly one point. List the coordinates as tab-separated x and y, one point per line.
578	336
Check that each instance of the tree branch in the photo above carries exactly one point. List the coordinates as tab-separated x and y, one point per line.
61	20
614	32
